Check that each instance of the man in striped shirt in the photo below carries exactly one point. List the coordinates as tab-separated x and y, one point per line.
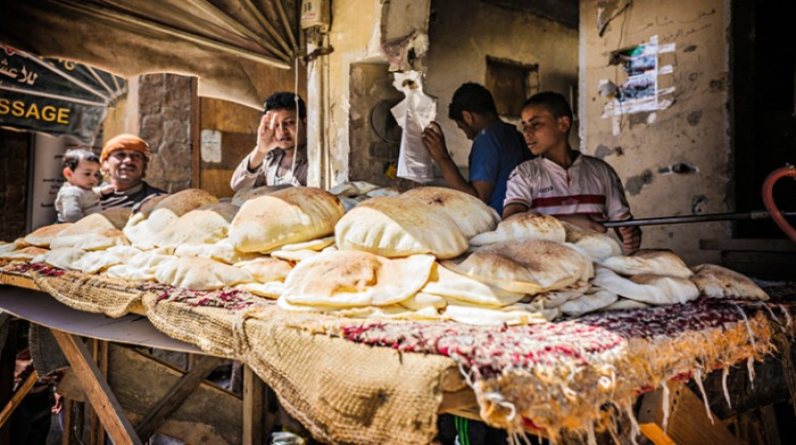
562	182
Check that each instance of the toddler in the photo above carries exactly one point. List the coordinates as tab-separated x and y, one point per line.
79	196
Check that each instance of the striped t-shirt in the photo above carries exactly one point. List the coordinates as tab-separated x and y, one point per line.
588	187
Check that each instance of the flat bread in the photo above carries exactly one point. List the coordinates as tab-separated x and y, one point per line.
624	304
316	244
99	240
222	250
353	188
200	274
142	266
589	302
207	224
398	227
106	221
97	261
25	253
523	226
356	279
471	214
660	262
382	192
719	282
451	285
598	245
271	290
266	269
647	288
292	215
512	315
557	298
528	267
294	255
248	193
62	258
142	229
422	300
42	236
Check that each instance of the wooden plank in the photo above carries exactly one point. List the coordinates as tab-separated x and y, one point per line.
688	422
210	415
17	280
253	404
195	125
20	394
66	434
99	393
176	396
457	400
100	355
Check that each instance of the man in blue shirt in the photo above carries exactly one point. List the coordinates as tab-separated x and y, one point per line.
497	148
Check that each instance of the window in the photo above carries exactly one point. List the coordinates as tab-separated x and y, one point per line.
511	83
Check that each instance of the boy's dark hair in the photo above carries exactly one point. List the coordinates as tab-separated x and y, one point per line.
555	103
284	100
73	157
471	97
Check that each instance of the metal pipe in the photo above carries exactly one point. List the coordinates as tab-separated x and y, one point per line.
758	214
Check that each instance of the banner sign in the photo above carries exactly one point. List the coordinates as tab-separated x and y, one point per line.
55	96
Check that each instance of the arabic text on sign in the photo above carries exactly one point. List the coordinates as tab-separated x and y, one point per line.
47	113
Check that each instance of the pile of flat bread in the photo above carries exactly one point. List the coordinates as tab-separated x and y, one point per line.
429	253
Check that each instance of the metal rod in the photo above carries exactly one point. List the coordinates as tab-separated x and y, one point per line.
758	214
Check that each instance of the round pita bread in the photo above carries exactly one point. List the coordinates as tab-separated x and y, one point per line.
93	262
559	297
445	283
471	214
100	240
659	262
523	226
272	290
398	227
598	245
62	258
528	267
288	216
142	229
356	279
719	282
25	253
589	302
222	250
248	193
42	236
295	256
200	274
647	288
207	224
624	304
316	244
266	269
512	315
421	300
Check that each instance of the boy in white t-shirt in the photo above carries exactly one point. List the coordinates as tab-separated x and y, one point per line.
79	196
562	182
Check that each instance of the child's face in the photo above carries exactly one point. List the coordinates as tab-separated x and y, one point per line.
542	131
85	175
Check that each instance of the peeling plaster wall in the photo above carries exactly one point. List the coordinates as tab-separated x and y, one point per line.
675	161
356	38
460	41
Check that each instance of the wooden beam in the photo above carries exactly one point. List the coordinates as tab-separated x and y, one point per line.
176	396
99	393
66	434
688	421
100	355
195	130
8	358
20	394
253	404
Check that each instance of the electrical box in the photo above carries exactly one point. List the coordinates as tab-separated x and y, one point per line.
315	13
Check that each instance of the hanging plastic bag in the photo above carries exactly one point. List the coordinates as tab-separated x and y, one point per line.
414	114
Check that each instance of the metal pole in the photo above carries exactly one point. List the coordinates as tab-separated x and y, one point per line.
759	214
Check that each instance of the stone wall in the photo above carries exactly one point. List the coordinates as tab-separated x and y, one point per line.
13	187
164	103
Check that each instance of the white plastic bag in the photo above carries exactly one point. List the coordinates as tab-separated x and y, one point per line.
414	114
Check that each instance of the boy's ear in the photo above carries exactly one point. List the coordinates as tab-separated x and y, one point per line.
67	173
564	123
467	117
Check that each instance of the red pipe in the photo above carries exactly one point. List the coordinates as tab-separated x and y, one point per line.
768	199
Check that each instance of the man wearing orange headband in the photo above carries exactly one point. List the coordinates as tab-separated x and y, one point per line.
124	161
